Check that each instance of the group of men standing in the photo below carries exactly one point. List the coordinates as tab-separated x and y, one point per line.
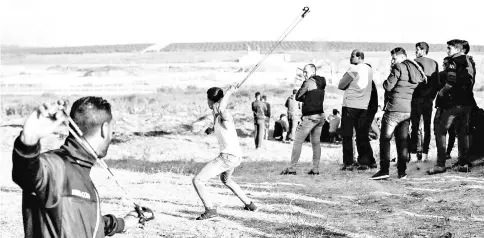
410	91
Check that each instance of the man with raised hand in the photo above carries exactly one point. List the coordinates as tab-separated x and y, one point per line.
311	94
230	155
357	85
422	102
59	198
457	101
405	75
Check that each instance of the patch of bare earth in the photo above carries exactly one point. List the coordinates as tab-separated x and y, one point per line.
157	169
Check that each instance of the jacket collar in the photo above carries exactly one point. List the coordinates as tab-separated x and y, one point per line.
78	153
457	55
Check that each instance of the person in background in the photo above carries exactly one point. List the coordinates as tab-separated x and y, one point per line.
311	94
356	84
334	122
422	103
405	75
280	126
259	110
268	117
293	114
458	101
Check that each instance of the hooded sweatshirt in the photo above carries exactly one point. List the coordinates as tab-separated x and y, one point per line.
58	196
400	85
311	94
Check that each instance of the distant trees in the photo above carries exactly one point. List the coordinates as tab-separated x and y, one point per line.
308	46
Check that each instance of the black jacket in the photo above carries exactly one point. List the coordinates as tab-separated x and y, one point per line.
58	196
459	73
428	90
311	94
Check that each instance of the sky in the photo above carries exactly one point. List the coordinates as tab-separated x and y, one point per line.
100	22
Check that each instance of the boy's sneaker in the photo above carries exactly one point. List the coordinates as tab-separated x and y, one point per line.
380	175
402	176
362	167
208	214
251	207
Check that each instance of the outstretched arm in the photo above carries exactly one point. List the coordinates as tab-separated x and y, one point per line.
225	100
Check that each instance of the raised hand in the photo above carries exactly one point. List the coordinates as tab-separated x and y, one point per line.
43	121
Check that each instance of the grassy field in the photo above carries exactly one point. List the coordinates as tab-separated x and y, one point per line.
159	146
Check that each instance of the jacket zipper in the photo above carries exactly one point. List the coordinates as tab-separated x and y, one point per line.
97	213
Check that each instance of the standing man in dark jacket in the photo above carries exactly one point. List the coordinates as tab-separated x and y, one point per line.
293	114
422	102
58	197
404	77
259	109
311	94
357	85
456	104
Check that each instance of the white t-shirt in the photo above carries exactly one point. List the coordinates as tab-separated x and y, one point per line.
226	133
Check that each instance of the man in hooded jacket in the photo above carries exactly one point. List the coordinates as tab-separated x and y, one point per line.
404	77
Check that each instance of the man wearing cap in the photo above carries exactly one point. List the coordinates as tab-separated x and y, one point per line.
357	84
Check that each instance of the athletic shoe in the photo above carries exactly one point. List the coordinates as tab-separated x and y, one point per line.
311	172
288	172
208	214
362	167
425	157
413	157
380	175
462	168
347	167
251	207
373	166
436	170
402	176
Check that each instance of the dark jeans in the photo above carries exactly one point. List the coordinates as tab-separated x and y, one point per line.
259	132
452	135
421	110
398	123
357	119
444	118
293	122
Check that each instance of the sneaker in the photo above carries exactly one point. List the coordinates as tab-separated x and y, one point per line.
436	170
347	167
402	176
362	167
462	168
288	172
311	172
208	214
373	166
380	175
251	207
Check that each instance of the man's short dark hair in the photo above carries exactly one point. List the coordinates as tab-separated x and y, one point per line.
282	115
264	97
335	111
257	94
90	113
456	43
312	66
423	46
294	91
215	94
466	47
398	51
360	54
